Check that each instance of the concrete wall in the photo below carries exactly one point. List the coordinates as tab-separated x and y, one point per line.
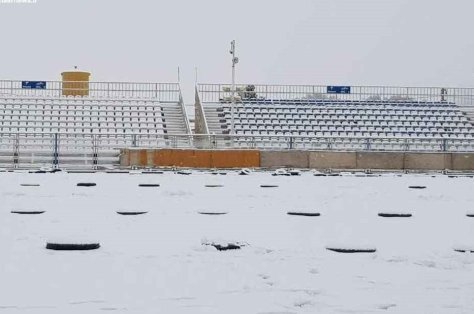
388	161
196	158
277	159
462	161
125	158
380	160
332	160
427	161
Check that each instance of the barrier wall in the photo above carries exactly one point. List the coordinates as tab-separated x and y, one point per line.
125	158
181	158
333	160
190	158
461	161
380	160
195	158
428	161
294	159
135	157
235	159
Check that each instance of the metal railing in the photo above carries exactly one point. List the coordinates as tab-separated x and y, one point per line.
161	91
211	93
336	143
93	150
185	113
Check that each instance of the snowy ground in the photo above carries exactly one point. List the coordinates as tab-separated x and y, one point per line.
156	263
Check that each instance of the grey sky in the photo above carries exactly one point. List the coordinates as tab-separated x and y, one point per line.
376	42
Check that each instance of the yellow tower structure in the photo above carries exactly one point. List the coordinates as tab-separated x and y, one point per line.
75	83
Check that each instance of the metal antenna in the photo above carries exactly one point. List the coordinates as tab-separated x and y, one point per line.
179	76
235	60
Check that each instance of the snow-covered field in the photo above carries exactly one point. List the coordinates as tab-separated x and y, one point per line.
157	263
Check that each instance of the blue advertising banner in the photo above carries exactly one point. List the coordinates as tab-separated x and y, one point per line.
33	84
339	90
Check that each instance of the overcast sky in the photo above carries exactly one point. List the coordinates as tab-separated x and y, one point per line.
366	42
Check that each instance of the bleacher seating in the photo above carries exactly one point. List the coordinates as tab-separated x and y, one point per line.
344	124
83	123
89	115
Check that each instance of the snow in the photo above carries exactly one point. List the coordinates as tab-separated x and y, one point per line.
157	263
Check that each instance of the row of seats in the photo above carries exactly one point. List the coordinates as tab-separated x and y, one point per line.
361	111
349	119
460	124
102	130
81	111
365	134
76	101
355	123
45	143
374	127
339	110
91	110
388	125
88	115
35	119
327	118
344	102
353	115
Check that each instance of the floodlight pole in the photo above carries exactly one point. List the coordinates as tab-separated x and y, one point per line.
235	60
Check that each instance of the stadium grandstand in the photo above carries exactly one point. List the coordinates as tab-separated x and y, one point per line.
75	122
79	123
346	118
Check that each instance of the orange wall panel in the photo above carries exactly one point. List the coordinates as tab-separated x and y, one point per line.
182	158
190	158
235	159
142	159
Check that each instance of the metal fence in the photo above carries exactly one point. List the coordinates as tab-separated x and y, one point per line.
223	92
160	91
335	143
19	150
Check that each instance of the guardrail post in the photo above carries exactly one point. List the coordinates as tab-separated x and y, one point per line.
367	144
95	152
406	145
55	151
175	141
214	141
134	140
291	143
16	151
445	145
